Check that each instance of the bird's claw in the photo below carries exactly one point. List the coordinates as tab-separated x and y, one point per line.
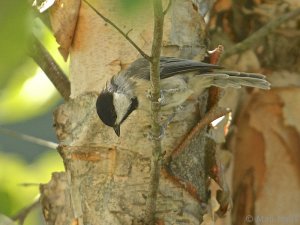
148	94
161	100
173	90
172	116
157	138
164	126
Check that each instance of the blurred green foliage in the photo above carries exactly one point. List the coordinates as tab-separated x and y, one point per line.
25	92
14	173
14	29
132	5
6	220
128	8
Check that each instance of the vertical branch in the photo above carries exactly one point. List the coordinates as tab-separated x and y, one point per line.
155	108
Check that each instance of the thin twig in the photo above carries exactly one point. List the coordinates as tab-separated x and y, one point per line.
21	215
125	35
28	138
214	93
168	7
258	36
213	114
58	78
155	108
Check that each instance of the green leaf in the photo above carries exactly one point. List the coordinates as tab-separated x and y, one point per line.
133	6
14	30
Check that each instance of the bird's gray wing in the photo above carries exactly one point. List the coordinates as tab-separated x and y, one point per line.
169	66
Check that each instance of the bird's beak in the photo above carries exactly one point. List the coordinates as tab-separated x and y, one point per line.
117	129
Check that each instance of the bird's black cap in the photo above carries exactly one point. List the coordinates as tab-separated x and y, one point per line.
105	108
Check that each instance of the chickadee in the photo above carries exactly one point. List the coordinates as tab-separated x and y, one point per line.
180	79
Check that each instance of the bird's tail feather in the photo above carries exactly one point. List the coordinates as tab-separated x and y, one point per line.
233	79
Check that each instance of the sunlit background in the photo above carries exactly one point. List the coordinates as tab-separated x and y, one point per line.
27	100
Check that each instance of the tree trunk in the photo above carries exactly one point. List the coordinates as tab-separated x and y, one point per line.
107	178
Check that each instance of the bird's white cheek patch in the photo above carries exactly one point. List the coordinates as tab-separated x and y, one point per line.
122	104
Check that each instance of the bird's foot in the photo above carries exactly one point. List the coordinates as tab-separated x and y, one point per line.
171	117
161	99
152	137
173	90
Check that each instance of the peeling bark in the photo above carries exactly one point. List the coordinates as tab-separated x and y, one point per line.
107	177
